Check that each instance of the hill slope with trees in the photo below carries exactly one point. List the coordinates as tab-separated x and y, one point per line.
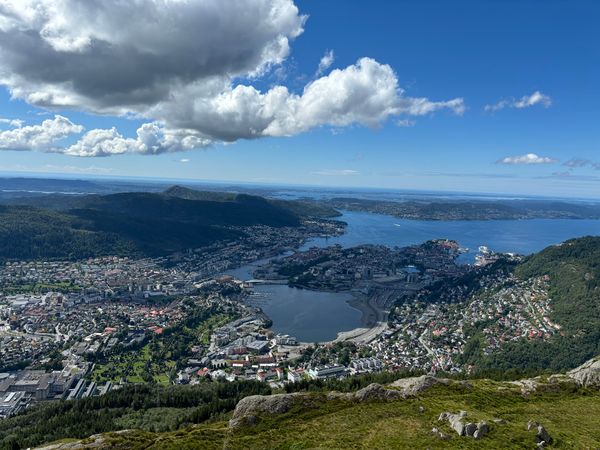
572	270
136	223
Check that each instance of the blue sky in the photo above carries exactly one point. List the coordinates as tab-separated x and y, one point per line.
483	52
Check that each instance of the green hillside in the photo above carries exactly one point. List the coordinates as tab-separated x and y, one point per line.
144	224
28	233
573	272
571	415
302	208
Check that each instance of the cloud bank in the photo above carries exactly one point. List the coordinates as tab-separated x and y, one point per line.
187	67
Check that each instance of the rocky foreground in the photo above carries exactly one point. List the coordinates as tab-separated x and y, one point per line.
559	411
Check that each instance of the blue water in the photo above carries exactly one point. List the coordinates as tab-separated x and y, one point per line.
310	316
518	236
318	316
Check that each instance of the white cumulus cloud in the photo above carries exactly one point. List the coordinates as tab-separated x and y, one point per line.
12	123
151	139
187	68
529	158
44	136
537	98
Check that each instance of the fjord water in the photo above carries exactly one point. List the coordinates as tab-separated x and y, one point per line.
318	316
309	316
518	236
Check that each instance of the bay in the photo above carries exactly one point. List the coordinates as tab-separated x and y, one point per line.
319	316
518	236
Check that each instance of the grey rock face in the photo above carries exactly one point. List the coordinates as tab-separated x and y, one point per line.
482	429
588	374
470	429
527	386
247	410
475	430
340	396
455	421
414	385
376	391
543	435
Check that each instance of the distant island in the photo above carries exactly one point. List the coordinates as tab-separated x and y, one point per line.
470	210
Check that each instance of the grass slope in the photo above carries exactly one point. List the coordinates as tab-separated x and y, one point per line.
571	418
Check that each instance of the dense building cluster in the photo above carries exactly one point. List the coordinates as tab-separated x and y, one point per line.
73	329
432	336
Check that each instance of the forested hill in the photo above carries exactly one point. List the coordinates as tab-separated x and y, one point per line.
244	210
302	208
139	223
573	273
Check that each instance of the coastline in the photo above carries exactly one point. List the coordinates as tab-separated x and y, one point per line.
374	320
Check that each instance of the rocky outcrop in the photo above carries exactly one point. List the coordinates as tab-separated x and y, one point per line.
376	391
95	441
455	421
414	385
527	386
553	383
471	429
588	374
249	409
482	429
334	395
542	436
